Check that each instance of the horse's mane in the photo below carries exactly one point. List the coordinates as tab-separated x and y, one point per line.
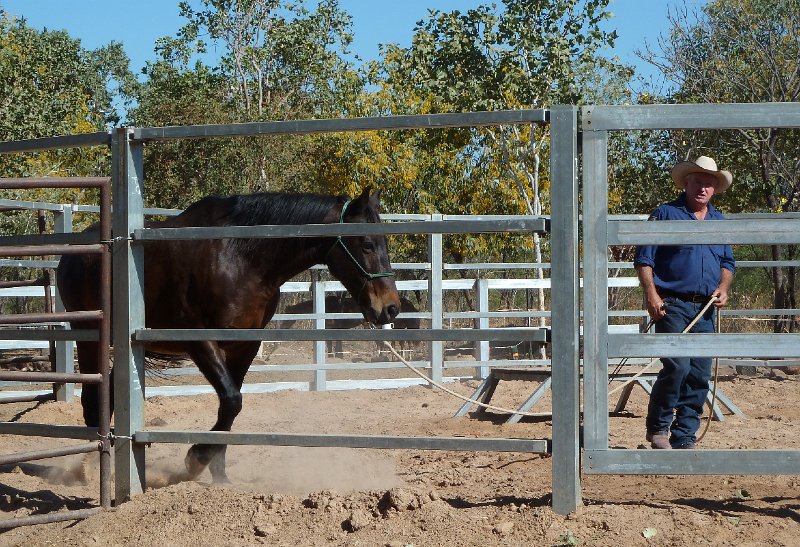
275	208
280	208
259	208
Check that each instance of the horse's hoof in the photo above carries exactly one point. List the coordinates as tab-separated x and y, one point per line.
221	480
193	466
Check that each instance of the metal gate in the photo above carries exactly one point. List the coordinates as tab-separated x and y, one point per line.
61	244
600	233
129	330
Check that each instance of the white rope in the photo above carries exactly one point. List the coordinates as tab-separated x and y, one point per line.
458	395
752	319
713	391
533	414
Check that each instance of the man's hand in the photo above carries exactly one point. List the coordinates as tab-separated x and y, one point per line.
656	308
722	297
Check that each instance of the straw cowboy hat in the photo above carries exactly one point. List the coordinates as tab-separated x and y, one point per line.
703	164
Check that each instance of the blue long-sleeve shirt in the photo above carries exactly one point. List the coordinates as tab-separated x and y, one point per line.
693	269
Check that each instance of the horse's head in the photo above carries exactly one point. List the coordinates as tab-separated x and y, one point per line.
361	263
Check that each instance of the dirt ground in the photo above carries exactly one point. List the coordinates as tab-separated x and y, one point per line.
318	496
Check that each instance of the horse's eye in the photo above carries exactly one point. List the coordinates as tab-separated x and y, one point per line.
367	246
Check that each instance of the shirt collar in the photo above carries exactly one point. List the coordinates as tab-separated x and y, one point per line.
681	202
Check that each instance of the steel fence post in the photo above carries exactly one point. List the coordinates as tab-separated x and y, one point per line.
436	302
65	349
565	313
128	294
318	307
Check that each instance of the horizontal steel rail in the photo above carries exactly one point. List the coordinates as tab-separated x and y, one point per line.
678	232
296	127
539	446
49	430
32	398
536	335
766	363
47	250
47	518
40	282
497	314
690	116
147	211
73	238
99	138
186	371
692	462
78	335
755	311
765	346
6	459
496	266
54	317
16	205
56	377
28	263
519	225
32	291
35	183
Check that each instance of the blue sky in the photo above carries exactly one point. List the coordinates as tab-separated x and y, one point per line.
138	24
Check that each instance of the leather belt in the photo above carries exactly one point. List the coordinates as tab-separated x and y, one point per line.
686	297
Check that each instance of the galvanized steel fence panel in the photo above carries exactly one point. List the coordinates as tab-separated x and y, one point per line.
600	231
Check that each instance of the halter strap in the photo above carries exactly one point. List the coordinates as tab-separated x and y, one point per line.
368	275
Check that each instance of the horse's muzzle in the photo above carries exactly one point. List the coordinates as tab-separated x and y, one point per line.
382	317
389	313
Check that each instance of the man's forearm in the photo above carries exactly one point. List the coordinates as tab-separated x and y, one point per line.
725	279
645	274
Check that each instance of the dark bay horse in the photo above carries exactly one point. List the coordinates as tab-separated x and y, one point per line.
235	283
345	304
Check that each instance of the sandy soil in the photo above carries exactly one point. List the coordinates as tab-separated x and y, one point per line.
297	496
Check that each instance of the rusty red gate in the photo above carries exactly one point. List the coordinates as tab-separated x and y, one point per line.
61	244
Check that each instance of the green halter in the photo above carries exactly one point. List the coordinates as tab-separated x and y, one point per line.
369	276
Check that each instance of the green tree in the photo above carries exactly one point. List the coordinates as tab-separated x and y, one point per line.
279	61
280	58
743	51
50	86
524	54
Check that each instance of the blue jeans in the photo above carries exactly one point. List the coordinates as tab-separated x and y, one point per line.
682	384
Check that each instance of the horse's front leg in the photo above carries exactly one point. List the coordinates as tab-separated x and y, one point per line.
226	378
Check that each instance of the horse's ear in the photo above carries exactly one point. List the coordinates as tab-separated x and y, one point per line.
375	199
364	201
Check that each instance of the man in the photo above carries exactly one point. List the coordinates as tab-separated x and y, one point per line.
678	281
